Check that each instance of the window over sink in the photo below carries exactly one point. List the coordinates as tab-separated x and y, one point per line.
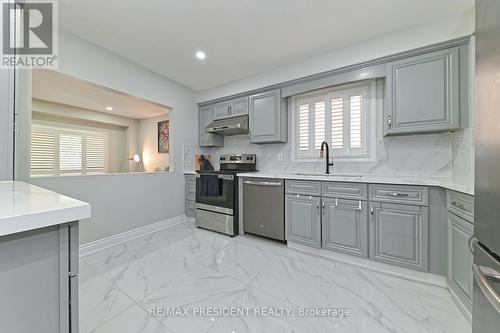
343	116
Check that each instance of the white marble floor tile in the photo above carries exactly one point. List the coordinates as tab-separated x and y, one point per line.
132	320
100	300
202	288
194	268
147	274
267	313
290	280
239	261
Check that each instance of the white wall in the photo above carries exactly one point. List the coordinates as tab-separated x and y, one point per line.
148	144
124	202
434	32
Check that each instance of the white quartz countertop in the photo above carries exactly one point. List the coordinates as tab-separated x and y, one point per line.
25	207
376	179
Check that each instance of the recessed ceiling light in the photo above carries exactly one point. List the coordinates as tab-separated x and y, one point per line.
201	55
109	108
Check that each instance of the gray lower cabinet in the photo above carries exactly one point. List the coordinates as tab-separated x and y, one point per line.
39	280
303	219
460	258
423	93
345	226
267	117
399	235
206	116
190	195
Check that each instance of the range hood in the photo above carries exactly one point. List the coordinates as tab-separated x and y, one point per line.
229	126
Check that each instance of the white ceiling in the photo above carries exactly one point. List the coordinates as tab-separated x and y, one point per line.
240	37
59	88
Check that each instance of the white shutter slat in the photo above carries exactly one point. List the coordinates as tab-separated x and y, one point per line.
304	127
95	153
337	123
356	109
70	153
42	152
319	124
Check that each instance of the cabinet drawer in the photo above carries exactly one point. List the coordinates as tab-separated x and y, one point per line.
190	179
303	187
189	209
190	192
345	190
413	195
461	205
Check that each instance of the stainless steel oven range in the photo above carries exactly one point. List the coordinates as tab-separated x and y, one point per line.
217	193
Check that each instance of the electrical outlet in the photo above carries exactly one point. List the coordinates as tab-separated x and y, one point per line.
280	157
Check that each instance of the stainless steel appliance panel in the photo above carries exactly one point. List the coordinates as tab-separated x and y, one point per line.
226	191
215	221
486	299
486	302
263	207
487	146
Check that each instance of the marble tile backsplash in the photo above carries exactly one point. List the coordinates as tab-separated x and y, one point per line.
462	151
418	155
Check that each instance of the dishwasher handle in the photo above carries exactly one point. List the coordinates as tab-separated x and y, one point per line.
262	183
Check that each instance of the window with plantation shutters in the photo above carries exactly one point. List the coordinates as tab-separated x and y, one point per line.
43	152
57	151
341	116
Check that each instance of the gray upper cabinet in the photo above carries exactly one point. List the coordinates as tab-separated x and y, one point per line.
303	219
222	110
268	117
239	107
345	226
206	114
460	258
399	235
232	108
423	93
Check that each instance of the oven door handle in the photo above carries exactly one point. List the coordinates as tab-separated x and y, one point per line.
225	177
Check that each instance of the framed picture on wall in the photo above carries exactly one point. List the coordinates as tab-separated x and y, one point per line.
163	136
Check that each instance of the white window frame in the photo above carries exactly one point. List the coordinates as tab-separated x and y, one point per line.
57	131
370	117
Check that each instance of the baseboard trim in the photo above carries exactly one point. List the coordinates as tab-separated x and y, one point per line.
427	278
105	243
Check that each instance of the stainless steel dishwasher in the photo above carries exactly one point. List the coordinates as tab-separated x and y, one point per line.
264	207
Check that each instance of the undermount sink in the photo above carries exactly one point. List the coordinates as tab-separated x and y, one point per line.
326	175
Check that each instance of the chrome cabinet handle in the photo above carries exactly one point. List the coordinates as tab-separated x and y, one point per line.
398	194
317	206
264	183
323	208
483	277
459	205
359	207
474	240
389	121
